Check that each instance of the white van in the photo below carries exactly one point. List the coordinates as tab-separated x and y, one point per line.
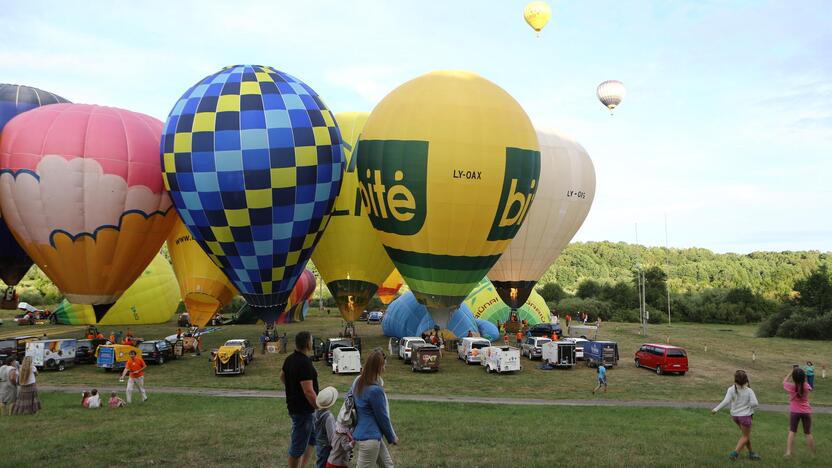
406	347
346	360
500	359
52	354
469	349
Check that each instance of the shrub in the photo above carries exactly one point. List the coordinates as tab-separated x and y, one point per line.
593	307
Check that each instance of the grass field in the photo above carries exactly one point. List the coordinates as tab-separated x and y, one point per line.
728	348
194	431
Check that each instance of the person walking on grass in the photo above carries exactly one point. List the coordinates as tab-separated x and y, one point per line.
134	369
810	374
373	414
743	401
301	382
602	379
27	396
800	411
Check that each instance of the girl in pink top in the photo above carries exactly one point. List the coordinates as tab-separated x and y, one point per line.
799	409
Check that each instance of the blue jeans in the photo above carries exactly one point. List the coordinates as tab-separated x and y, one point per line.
322	452
303	433
810	379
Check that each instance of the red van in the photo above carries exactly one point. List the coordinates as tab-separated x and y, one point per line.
662	358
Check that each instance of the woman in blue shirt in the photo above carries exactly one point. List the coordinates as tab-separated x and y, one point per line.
373	416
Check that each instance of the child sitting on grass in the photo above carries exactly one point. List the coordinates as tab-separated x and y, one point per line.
91	399
115	401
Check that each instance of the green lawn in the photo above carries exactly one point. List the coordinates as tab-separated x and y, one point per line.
198	431
728	348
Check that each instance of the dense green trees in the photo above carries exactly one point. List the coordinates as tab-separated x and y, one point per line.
771	274
808	314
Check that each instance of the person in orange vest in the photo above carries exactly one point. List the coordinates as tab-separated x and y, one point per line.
112	338
127	341
90	336
99	336
554	336
505	339
519	337
135	366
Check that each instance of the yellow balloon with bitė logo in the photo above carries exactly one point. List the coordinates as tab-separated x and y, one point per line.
349	256
448	165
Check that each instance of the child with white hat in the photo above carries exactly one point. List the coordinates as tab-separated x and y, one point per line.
324	425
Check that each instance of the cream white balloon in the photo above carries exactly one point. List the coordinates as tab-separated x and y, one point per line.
561	204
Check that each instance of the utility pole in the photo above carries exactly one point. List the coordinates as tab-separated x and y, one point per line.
642	290
667	270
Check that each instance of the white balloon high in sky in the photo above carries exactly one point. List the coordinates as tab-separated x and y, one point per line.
610	93
561	204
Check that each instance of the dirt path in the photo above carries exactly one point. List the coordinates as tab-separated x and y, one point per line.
597	401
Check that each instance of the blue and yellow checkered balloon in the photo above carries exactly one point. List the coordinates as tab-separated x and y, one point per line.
252	159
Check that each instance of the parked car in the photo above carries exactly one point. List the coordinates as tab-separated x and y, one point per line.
248	350
363	316
52	354
85	351
375	317
559	353
601	352
501	359
662	358
406	347
579	346
157	351
324	349
470	348
545	330
579	330
346	360
532	347
230	358
425	357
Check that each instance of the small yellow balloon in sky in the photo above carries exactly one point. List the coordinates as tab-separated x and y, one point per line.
537	15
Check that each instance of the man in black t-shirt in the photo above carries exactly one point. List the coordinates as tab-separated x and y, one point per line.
301	381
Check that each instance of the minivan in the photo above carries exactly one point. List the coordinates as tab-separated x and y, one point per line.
662	358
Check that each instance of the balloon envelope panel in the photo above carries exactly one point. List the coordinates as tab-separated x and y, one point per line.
252	158
561	204
488	329
485	303
390	287
204	287
81	188
153	298
447	167
14	100
349	256
407	317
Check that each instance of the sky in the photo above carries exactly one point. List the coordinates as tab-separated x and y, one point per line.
724	135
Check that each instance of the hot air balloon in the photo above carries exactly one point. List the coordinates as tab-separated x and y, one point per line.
252	158
567	188
349	256
610	93
298	305
537	14
448	166
153	298
296	308
485	304
81	193
390	287
14	100
204	288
